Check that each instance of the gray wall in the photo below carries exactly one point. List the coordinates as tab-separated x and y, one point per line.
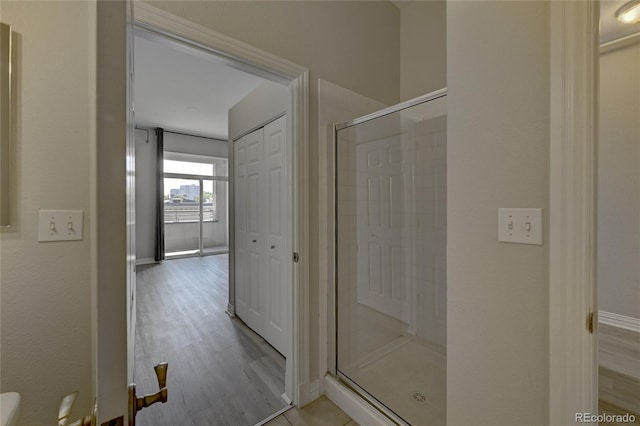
260	106
145	195
498	156
175	142
619	181
423	47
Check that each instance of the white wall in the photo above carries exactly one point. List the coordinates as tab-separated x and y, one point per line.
498	156
619	182
45	288
146	149
423	47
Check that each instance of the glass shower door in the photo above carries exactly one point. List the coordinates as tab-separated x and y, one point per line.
391	260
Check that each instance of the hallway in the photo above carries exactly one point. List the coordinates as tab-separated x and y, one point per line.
220	372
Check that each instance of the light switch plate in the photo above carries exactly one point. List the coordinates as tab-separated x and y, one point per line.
59	225
522	226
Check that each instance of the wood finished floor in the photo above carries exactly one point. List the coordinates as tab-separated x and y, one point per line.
220	372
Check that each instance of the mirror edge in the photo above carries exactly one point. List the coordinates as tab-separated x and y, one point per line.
8	188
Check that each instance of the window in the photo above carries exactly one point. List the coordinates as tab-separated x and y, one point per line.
195	204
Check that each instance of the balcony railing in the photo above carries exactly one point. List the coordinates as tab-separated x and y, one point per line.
175	214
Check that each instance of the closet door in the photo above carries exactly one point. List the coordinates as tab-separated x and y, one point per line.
262	265
255	262
275	218
240	195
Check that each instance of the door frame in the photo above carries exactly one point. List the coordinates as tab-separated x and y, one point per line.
574	64
164	23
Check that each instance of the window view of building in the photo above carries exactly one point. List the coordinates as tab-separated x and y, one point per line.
195	205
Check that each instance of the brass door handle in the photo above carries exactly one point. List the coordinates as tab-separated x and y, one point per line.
138	403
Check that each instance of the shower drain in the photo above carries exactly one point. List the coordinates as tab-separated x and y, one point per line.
419	397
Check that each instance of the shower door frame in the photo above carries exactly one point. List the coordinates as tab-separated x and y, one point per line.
388	414
573	381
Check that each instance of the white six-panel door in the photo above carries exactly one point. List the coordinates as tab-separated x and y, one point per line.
275	223
240	190
261	223
383	269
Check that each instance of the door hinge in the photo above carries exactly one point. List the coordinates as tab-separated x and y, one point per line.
590	322
296	257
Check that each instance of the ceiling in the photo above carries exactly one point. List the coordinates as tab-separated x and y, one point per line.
610	27
184	89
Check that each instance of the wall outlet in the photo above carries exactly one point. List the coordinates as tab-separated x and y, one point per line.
521	226
60	225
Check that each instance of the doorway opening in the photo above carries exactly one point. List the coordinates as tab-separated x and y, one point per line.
182	298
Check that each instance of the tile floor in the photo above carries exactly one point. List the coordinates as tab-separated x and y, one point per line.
321	412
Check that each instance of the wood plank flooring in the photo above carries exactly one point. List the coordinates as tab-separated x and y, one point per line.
220	372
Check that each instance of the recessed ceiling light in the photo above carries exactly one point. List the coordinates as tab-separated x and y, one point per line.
629	13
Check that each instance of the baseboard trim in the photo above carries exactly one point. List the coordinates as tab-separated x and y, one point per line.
621	321
308	392
146	261
619	345
231	310
352	404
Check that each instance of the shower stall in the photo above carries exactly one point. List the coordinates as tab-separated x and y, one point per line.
391	292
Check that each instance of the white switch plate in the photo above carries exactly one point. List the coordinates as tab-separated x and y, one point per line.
522	226
60	225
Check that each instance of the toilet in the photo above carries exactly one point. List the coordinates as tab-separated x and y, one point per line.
9	408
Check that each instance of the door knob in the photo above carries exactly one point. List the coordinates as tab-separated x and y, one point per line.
138	403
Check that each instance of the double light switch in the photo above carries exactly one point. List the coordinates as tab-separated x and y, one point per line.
60	225
522	226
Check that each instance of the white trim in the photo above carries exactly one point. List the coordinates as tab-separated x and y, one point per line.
93	197
231	310
308	392
215	41
573	381
352	404
620	321
192	33
440	93
335	104
620	43
300	203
